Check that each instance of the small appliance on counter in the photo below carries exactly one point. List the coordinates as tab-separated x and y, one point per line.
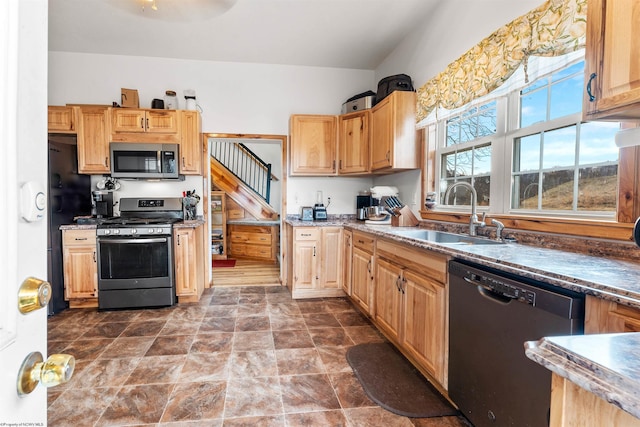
319	209
306	213
359	102
102	204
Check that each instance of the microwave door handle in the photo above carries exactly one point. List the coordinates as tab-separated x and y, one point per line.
115	241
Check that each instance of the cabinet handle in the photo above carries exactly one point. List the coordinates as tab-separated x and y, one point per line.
314	251
387	155
334	165
178	240
106	162
361	242
398	283
591	97
183	162
94	257
80	238
147	125
305	234
369	266
403	285
340	165
142	123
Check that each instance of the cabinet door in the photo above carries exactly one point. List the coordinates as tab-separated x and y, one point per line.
191	149
313	145
331	258
185	261
80	271
61	119
382	135
603	317
388	296
162	121
347	253
93	140
128	120
304	264
612	54
362	278
353	143
425	323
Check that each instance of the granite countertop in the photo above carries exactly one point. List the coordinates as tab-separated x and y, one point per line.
191	223
245	221
607	278
607	365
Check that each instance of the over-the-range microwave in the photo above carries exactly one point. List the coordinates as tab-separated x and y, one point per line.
144	160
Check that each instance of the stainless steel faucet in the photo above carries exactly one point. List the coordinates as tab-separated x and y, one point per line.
499	228
473	219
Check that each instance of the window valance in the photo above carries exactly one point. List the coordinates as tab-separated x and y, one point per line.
555	28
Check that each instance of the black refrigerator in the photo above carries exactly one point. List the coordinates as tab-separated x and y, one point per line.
69	196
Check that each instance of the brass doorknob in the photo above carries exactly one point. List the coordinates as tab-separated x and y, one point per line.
57	369
33	294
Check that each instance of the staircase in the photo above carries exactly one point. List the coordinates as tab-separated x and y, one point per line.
230	162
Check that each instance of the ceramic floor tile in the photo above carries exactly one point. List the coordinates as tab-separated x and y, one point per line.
349	390
157	370
292	339
363	334
260	363
205	367
368	417
127	347
217	324
253	397
252	299
80	407
305	393
330	337
165	346
333	418
253	309
143	328
57	346
283	309
196	401
137	404
335	305
224	299
87	349
352	318
221	311
212	342
105	330
441	422
188	312
106	372
67	333
299	361
247	341
321	320
180	327
252	323
282	322
118	316
267	421
335	359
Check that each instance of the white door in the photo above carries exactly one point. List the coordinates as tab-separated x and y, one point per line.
23	245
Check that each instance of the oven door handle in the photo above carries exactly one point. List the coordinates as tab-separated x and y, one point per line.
156	240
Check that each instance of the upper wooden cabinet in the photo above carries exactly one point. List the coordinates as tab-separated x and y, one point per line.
313	145
62	119
191	149
132	120
93	132
613	49
393	133
353	143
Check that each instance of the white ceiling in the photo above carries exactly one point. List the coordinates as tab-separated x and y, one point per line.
356	34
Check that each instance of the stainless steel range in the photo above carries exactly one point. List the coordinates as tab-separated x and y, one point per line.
135	254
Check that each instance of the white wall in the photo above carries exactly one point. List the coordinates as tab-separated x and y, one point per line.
445	36
235	98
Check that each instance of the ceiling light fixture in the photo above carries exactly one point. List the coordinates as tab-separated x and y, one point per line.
174	10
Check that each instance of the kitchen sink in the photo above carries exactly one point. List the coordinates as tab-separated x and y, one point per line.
444	238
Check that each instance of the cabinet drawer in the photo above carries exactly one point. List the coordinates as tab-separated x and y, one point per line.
421	261
363	241
250	238
307	233
79	237
262	252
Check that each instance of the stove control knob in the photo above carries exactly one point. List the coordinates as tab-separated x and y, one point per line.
116	231
134	231
159	230
107	232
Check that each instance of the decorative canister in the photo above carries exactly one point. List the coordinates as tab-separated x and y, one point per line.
171	100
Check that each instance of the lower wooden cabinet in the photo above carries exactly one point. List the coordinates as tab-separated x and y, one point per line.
189	255
347	253
602	317
80	268
362	272
316	262
259	242
410	296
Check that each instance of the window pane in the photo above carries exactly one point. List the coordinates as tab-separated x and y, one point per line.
464	163
483	185
535	85
525	191
575	68
459	196
557	191
566	97
526	153
597	142
559	148
449	165
533	108
482	160
487	122
453	133
597	188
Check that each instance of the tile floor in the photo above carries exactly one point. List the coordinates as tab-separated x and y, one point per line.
242	356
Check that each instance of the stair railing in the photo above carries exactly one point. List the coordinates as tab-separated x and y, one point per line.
244	164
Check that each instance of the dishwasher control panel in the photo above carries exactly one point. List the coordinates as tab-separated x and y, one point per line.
502	288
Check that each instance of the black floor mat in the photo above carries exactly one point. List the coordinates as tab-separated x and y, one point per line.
393	383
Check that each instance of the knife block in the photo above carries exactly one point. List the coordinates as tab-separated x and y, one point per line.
406	218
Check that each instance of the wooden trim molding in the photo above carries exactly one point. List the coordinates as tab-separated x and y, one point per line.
566	226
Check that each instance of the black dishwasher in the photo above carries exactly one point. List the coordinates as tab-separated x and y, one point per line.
491	315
